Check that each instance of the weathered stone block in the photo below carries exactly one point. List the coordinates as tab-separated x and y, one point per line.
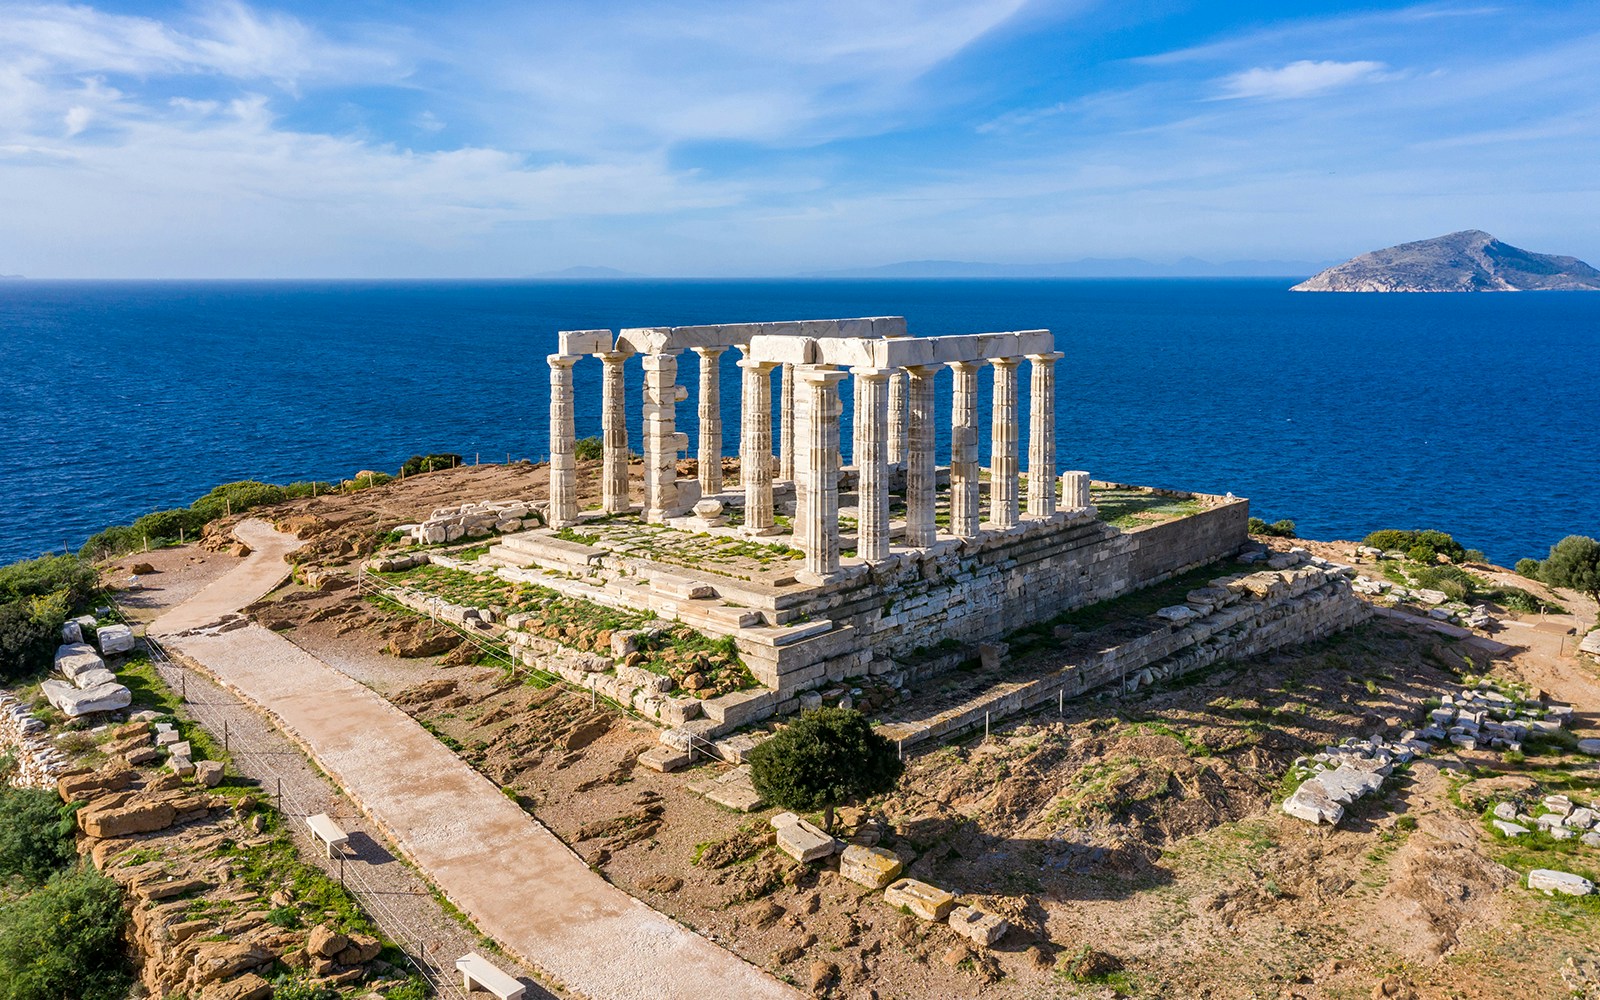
926	901
872	867
664	758
114	639
76	658
801	840
976	925
1564	882
72	702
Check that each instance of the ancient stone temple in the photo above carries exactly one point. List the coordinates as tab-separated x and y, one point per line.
822	571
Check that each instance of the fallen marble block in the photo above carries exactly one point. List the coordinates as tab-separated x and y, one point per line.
872	867
115	639
926	901
1312	803
801	840
1565	882
1509	829
92	678
978	926
75	658
1590	747
208	773
74	702
71	633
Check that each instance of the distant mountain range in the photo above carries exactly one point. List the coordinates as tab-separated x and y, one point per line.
1088	267
1468	261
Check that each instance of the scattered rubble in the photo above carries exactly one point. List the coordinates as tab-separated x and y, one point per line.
472	520
38	761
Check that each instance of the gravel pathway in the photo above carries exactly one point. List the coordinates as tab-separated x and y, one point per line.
517	881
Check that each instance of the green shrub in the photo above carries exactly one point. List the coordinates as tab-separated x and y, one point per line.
1517	599
27	643
411	989
1474	556
111	542
47	575
64	940
1574	563
1420	553
1391	540
588	449
36	834
287	987
1528	568
826	757
236	498
170	525
286	917
428	463
1277	529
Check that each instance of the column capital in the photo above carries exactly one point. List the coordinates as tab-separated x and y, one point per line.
760	366
563	360
873	374
1004	362
613	357
820	374
968	366
1045	358
708	352
922	371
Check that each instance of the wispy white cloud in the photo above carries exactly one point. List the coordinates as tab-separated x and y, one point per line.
1302	78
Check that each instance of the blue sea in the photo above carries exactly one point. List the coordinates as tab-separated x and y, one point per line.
1476	414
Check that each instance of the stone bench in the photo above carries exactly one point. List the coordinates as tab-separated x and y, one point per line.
327	831
478	973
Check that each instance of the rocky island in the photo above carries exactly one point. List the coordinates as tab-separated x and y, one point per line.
1468	261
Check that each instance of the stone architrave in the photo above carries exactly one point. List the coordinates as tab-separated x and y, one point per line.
614	434
710	453
820	512
785	424
920	483
662	442
1042	434
755	447
872	462
897	418
563	435
1003	445
965	513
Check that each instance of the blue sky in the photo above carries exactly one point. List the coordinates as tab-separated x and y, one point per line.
454	139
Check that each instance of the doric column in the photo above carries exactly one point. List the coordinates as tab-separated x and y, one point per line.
563	466
710	420
1003	445
921	490
662	442
755	447
786	424
820	460
897	418
1042	434
1075	490
872	462
614	434
965	509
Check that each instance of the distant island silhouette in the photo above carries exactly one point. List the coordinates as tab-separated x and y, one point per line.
1469	261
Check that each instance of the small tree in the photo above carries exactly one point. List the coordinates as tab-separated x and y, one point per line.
825	758
1574	563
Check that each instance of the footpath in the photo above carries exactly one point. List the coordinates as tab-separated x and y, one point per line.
516	880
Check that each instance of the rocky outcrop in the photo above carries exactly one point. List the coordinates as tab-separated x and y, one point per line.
24	737
1468	261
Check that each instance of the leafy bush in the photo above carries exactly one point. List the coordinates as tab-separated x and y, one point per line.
165	525
1474	556
1574	563
588	449
1425	554
1277	529
112	541
47	575
1528	568
26	642
64	940
237	497
1517	599
826	757
1404	541
36	834
411	989
428	463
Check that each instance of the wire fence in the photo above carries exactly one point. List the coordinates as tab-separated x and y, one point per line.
213	714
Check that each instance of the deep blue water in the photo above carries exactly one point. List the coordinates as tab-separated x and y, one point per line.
1477	414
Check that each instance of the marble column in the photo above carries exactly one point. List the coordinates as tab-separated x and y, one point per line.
563	466
1042	434
786	424
921	490
897	418
710	454
1003	444
965	509
614	434
755	447
871	454
662	442
820	461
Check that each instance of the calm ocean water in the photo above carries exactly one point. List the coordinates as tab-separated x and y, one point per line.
1477	414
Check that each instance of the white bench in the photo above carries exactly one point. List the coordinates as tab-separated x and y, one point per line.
327	831
478	973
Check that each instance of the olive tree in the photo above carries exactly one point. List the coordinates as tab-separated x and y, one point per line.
825	758
1574	563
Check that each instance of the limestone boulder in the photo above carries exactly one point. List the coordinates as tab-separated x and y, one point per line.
208	773
1312	803
114	639
801	840
1564	882
215	961
73	702
123	819
94	678
74	787
326	942
873	867
74	658
978	926
361	948
246	987
926	901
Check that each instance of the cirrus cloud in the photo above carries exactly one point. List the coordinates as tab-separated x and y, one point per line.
1301	78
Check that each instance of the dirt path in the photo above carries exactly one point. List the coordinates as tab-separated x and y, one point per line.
519	883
